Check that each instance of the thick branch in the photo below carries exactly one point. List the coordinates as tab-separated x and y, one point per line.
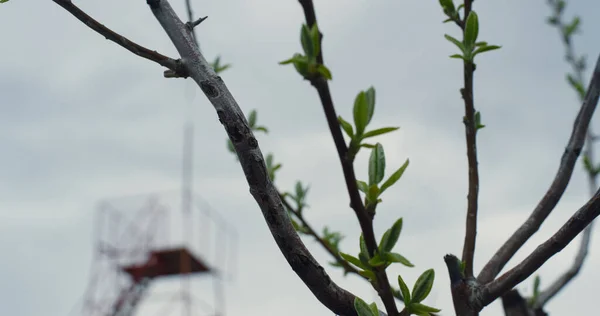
556	190
470	135
246	146
575	225
175	66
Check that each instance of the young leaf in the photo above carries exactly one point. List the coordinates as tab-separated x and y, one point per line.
456	42
362	186
376	165
396	257
377	261
361	113
324	71
314	36
346	126
368	274
485	49
424	309
458	56
394	234
471	31
363	246
301	66
261	129
423	286
307	43
374	309
362	309
252	118
355	261
379	131
295	58
394	177
404	290
373	193
448	6
370	94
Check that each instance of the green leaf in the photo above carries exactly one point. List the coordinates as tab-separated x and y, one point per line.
471	31
485	49
478	124
456	42
363	246
368	274
447	6
423	286
2	1
576	84
379	131
536	285
373	193
295	58
421	308
261	129
370	95
396	257
371	146
377	261
362	186
404	290
572	28
252	118
324	71
301	67
314	36
361	113
230	146
307	43
374	309
387	244
362	309
353	260
394	177
346	127
587	164
376	165
458	56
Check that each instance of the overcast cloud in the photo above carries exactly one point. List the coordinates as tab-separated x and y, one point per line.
82	120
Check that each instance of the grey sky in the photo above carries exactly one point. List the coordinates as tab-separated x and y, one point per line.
82	119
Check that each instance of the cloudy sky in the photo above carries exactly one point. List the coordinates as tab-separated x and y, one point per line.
83	120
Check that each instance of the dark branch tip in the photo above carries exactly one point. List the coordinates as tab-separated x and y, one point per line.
191	25
153	3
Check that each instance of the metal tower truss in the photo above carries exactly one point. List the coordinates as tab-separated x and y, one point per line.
146	263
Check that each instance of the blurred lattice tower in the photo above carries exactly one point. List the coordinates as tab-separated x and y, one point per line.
152	260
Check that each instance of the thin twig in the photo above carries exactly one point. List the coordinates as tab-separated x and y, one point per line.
310	231
190	15
252	161
175	66
556	286
365	220
470	135
577	223
556	190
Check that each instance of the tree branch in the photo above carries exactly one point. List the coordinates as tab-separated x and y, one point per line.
365	220
470	135
252	161
543	252
175	66
310	231
556	190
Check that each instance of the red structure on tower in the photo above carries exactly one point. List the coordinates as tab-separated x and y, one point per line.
151	260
